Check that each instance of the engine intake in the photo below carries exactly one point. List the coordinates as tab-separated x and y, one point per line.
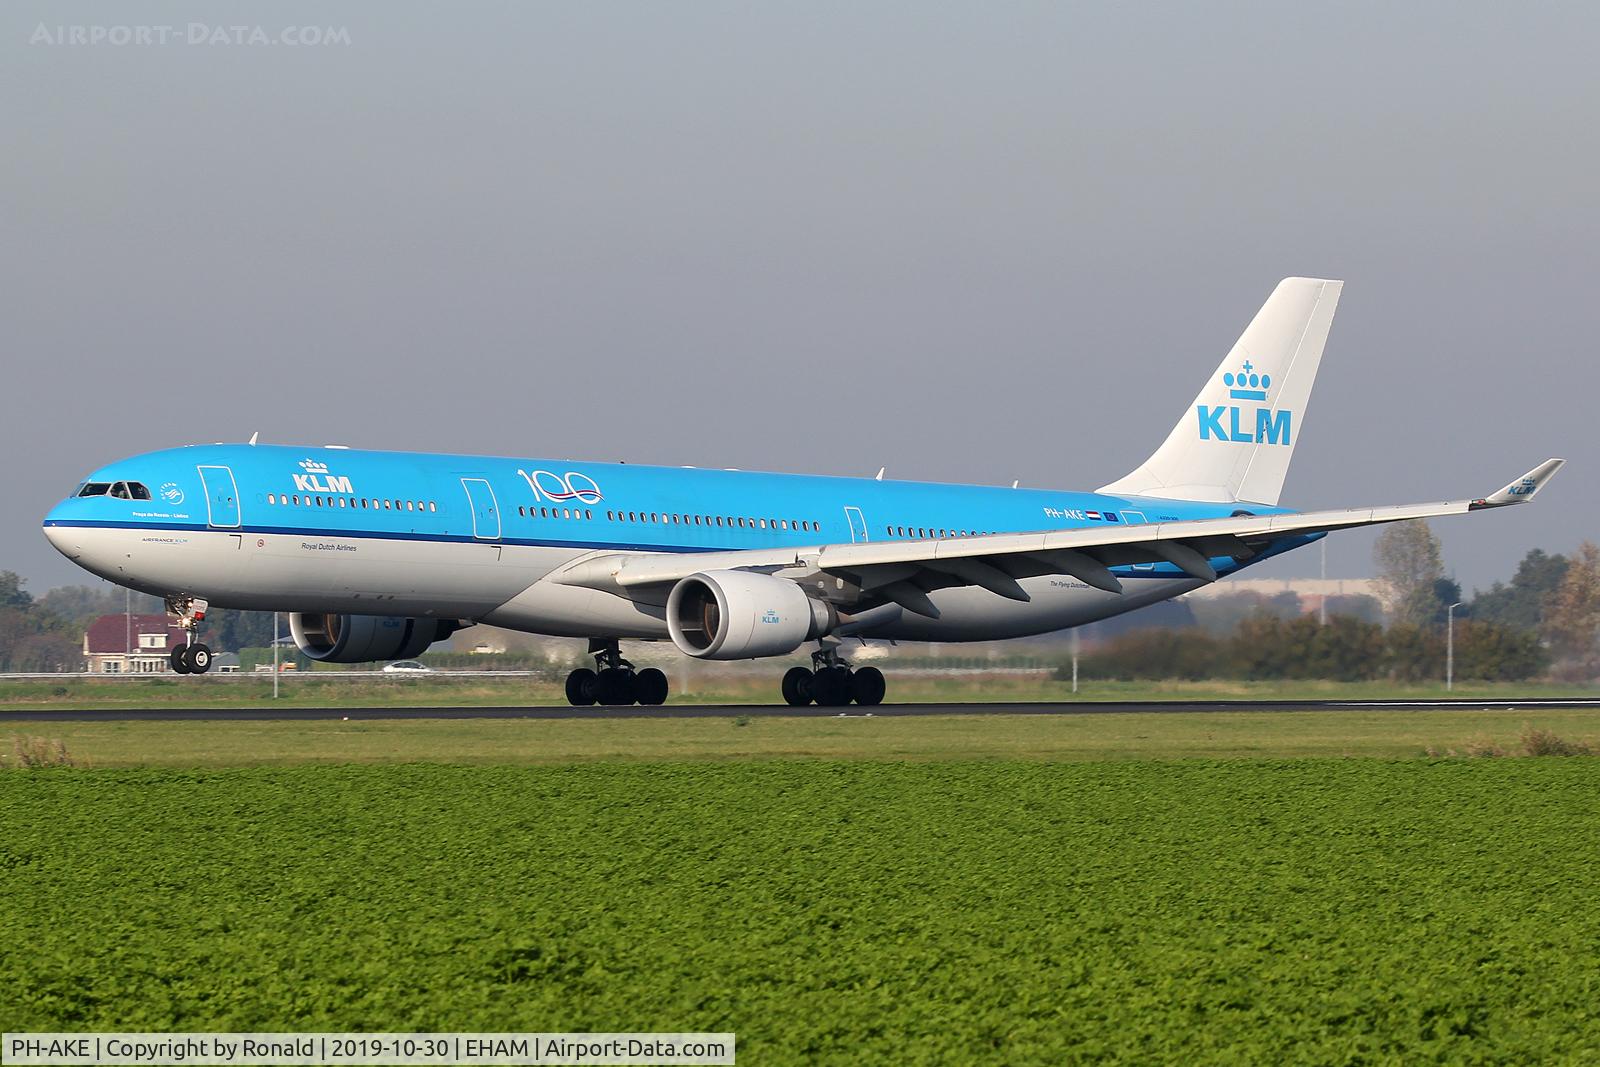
365	638
743	615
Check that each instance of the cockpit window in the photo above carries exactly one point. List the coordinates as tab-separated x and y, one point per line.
129	491
95	489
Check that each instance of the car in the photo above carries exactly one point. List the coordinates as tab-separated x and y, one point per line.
406	666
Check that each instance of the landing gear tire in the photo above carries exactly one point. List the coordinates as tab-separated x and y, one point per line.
650	687
797	687
830	687
198	658
178	659
867	686
580	687
614	687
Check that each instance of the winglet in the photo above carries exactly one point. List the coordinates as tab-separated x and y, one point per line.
1523	489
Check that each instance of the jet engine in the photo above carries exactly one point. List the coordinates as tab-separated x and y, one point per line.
365	638
743	615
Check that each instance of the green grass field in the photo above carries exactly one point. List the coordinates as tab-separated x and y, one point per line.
1026	911
1220	735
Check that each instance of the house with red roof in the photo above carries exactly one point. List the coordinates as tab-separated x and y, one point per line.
131	644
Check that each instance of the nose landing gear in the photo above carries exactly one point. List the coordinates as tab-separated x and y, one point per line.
614	682
191	657
833	683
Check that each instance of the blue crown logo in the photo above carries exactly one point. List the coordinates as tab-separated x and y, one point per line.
1247	384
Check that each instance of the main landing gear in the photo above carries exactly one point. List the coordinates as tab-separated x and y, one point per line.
614	682
833	683
191	657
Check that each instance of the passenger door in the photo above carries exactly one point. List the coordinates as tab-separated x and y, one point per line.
485	508
222	496
858	524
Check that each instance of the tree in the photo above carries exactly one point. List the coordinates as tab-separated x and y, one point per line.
232	630
1414	653
1409	568
82	604
1495	653
31	639
1572	615
1520	605
11	591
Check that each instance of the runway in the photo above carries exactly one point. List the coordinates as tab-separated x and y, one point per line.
728	711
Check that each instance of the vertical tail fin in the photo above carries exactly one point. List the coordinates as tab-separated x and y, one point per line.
1234	442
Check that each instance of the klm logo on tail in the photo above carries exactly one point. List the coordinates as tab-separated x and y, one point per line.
1252	425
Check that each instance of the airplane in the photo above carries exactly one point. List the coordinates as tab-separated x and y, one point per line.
377	555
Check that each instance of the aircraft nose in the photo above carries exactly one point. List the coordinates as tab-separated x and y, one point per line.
64	538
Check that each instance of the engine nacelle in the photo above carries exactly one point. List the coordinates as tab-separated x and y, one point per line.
743	615
365	638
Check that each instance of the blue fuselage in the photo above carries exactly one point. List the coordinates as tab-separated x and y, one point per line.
324	529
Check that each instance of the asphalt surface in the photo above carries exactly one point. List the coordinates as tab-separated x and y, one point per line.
724	711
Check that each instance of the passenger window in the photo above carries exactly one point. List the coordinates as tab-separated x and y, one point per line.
587	514
410	506
432	506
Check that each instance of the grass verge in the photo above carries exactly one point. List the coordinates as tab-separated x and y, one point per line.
1218	735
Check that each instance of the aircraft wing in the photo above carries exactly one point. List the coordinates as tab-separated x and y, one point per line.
905	571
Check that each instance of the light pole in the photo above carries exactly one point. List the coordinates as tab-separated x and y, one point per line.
1450	647
1322	608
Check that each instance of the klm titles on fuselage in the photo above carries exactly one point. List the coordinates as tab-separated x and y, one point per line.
322	483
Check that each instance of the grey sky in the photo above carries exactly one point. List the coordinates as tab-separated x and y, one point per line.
972	242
